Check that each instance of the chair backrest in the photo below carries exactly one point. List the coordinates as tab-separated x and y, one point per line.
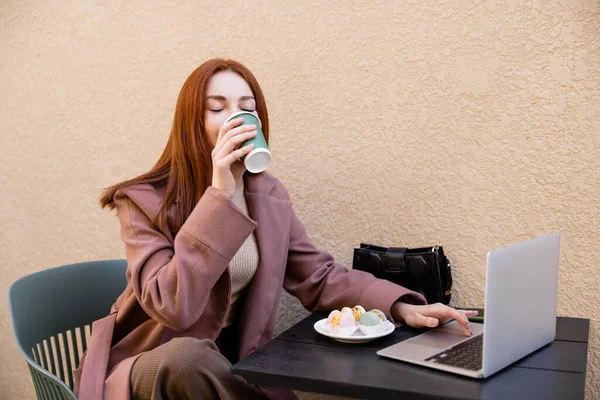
52	312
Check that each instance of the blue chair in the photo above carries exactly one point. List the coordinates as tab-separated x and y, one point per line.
51	311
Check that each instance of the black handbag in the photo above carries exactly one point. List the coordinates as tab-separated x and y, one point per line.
425	270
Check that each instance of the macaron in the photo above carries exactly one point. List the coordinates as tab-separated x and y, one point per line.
331	315
370	319
341	319
347	310
341	323
380	314
358	311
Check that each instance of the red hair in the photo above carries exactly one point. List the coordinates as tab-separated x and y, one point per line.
185	166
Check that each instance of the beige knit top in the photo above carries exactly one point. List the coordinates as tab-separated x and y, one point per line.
244	263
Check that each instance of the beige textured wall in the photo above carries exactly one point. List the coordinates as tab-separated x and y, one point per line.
476	123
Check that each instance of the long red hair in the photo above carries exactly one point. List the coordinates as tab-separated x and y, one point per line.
185	166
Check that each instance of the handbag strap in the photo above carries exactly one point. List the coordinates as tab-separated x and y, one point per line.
395	259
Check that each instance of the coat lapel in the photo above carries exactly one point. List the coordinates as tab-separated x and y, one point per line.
272	234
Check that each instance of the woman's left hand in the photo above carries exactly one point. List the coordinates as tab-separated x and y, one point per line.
431	315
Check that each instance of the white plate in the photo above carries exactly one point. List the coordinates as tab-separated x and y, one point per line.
356	337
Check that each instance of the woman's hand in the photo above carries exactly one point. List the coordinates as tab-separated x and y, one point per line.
431	315
226	165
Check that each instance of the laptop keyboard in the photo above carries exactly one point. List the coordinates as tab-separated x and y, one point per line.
467	355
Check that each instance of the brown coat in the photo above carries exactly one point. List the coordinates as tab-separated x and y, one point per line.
180	286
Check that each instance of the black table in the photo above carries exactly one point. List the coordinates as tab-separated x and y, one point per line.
302	359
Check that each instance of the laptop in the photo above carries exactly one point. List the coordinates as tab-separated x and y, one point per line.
520	315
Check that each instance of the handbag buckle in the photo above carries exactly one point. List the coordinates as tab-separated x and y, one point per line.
395	259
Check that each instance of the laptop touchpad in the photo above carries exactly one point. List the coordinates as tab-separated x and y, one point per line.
440	338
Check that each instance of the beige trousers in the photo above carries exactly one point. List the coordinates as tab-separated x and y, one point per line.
189	368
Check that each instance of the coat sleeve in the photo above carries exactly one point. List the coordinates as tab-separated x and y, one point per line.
321	284
172	281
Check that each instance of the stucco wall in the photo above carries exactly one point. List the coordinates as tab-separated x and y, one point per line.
476	123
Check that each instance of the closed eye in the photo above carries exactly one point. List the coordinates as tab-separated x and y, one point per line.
243	109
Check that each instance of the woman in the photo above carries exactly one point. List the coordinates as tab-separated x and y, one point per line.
209	249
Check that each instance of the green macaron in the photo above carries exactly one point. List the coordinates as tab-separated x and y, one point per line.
370	318
380	314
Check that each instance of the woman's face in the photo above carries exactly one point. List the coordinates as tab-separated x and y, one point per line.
226	93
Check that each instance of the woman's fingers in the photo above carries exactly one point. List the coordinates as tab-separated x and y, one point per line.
234	141
230	141
460	317
420	320
239	153
457	315
227	127
442	311
234	132
443	314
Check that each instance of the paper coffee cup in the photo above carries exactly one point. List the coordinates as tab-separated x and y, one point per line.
260	157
